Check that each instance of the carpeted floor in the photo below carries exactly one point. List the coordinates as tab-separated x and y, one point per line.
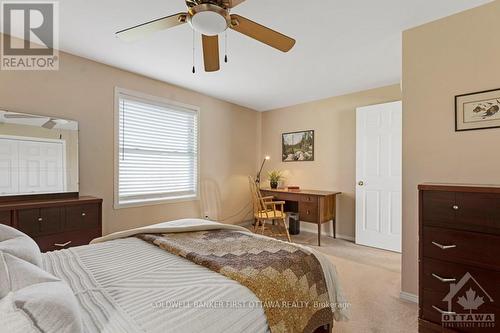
371	280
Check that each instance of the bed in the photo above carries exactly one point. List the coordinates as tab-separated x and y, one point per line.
125	283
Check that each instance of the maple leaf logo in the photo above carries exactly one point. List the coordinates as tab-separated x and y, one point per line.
470	301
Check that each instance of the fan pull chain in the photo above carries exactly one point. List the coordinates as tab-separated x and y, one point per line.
225	45
194	68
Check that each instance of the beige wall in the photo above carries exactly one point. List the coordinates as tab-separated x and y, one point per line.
334	168
83	90
452	56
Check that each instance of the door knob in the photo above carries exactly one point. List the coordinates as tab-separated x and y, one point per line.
361	183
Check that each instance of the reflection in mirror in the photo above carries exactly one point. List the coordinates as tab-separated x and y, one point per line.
37	154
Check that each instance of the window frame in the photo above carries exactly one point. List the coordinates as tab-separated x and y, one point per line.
162	102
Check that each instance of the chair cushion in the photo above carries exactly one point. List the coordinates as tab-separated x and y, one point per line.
271	215
20	245
31	293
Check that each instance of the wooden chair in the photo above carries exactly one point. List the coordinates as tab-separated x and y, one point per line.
265	209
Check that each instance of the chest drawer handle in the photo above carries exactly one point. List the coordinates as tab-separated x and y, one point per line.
455	207
444	247
443	312
83	214
63	244
40	219
442	279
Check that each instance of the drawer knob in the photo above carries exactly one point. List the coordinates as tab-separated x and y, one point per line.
63	244
445	280
83	214
40	219
308	212
455	207
444	247
443	312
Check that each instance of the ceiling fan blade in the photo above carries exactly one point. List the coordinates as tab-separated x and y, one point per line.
261	33
20	116
49	124
211	53
145	29
232	3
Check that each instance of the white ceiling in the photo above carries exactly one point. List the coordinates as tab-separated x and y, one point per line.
342	45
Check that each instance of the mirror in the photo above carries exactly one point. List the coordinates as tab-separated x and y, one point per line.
38	154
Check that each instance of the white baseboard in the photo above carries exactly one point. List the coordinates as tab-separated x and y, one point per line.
309	227
408	297
313	228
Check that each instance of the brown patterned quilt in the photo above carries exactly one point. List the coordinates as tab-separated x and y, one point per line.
287	279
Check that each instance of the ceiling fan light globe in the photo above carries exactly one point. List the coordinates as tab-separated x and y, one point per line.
208	23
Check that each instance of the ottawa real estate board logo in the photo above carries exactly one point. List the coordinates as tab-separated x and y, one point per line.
468	305
30	35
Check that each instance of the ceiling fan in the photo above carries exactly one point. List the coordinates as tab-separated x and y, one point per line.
210	18
49	124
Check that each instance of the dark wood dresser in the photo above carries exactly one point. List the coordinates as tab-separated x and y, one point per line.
55	222
459	258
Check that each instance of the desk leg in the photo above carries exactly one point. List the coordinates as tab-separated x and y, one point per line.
334	225
319	233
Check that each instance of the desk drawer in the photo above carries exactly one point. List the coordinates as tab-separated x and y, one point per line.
309	198
308	212
5	217
470	248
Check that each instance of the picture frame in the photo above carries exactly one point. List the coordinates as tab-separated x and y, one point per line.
477	110
297	146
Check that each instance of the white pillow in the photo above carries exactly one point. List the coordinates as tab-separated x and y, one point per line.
30	292
20	245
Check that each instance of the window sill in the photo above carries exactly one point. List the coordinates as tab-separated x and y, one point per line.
154	202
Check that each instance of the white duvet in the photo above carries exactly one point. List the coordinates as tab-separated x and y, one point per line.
125	284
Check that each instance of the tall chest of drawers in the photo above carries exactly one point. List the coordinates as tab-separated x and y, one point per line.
459	258
55	222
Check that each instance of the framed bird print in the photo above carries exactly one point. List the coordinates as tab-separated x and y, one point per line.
477	110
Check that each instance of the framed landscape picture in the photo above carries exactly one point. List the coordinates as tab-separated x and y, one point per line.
298	146
478	110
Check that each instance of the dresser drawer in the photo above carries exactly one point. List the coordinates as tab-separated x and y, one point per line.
82	217
308	212
478	211
68	239
432	300
438	275
40	221
470	248
464	211
5	217
438	207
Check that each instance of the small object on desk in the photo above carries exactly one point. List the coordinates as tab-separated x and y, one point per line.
293	188
313	206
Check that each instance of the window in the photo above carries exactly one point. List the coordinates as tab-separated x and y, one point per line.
157	151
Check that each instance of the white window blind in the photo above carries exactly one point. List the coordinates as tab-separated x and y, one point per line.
157	151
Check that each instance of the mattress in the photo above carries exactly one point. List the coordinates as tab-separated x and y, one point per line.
128	285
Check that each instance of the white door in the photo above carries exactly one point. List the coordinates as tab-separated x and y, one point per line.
378	175
41	167
9	158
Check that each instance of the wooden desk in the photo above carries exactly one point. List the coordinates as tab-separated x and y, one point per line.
313	206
